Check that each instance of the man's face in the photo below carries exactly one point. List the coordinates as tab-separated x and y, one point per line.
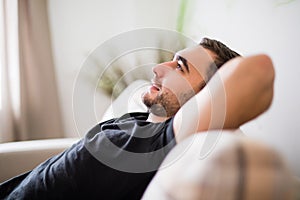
175	82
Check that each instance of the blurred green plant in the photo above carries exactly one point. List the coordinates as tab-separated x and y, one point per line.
181	15
283	2
112	81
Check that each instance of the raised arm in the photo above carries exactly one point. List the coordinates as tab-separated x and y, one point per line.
240	91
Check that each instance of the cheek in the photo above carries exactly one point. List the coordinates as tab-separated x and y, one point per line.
197	82
175	83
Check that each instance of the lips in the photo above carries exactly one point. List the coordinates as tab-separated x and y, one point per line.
155	86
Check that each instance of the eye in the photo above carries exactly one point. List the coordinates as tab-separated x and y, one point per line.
179	65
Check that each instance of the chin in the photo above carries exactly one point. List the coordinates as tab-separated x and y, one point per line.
148	96
147	100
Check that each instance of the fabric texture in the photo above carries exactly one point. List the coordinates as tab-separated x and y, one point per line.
29	94
235	168
80	173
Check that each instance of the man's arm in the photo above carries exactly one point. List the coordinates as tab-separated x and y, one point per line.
240	91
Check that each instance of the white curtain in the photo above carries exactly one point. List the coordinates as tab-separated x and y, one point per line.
9	69
29	100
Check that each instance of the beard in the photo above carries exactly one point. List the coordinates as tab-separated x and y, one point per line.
166	103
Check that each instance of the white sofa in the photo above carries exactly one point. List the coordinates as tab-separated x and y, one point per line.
183	174
19	157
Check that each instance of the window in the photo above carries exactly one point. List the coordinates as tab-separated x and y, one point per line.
1	49
9	52
0	84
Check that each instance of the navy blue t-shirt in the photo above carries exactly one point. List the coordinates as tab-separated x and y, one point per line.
115	160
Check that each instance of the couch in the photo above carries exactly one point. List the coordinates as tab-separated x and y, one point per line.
182	175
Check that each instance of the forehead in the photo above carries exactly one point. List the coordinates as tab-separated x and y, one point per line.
197	56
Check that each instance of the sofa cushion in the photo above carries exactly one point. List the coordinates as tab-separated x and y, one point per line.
19	157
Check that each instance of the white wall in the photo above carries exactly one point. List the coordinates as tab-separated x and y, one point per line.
249	27
79	26
270	27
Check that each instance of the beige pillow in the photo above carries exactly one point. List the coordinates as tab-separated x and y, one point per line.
236	168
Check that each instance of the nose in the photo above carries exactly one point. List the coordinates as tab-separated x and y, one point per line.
162	69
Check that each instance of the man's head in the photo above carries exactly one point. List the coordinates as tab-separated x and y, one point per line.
176	81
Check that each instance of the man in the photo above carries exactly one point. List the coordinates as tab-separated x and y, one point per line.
118	158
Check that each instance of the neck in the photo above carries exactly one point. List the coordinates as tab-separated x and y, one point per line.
156	119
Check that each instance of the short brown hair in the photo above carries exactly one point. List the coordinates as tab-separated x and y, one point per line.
222	52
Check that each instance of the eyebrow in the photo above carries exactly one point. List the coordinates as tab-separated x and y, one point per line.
184	61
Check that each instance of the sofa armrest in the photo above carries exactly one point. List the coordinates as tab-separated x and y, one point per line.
19	157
